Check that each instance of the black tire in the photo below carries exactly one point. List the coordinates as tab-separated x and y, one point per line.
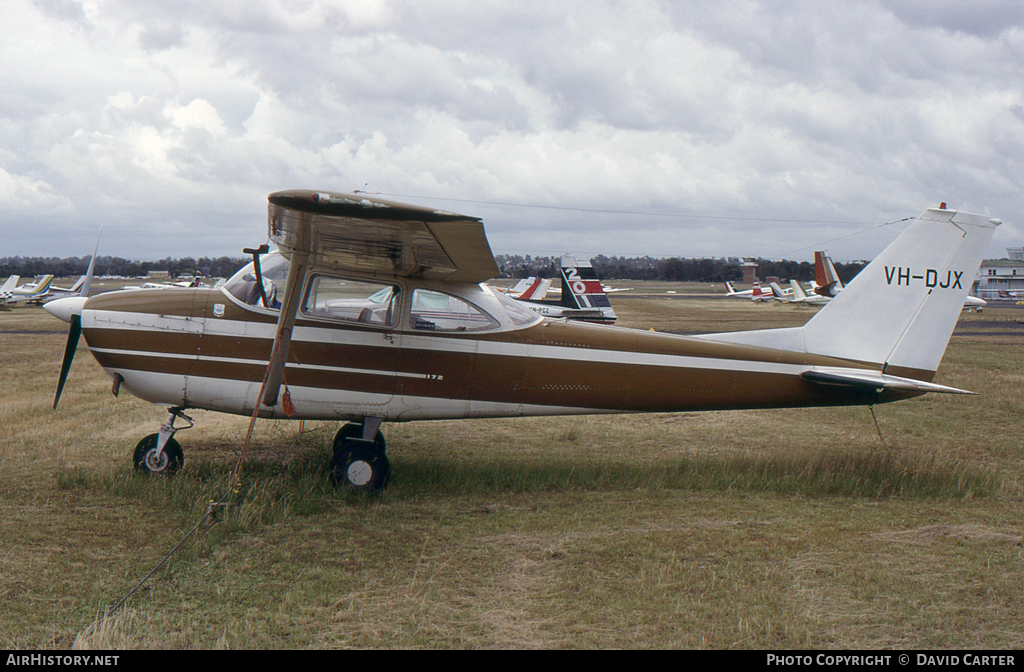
354	430
170	460
360	467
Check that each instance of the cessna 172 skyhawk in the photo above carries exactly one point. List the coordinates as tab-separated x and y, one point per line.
374	311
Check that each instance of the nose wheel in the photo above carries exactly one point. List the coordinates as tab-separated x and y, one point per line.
164	462
159	453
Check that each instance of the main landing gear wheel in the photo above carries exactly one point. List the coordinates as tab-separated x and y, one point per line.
168	462
359	465
354	430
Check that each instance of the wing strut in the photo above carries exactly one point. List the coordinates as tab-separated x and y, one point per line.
297	269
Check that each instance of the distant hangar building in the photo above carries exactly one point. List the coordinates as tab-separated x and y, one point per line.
1000	275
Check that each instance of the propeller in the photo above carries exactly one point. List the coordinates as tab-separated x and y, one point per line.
69	354
69	309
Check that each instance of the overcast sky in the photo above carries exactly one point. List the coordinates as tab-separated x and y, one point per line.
718	128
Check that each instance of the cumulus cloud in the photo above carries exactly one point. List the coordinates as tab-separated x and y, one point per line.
784	123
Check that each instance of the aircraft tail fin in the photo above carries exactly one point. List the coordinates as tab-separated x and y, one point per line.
798	292
729	288
825	275
903	307
758	292
900	310
515	290
43	286
536	290
10	283
581	289
778	292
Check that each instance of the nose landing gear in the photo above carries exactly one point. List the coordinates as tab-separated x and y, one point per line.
159	453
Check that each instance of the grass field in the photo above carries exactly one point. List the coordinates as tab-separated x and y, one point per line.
755	529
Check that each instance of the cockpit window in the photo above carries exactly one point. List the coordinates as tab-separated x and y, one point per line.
434	311
352	300
244	287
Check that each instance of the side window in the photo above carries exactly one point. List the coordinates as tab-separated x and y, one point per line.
434	311
352	300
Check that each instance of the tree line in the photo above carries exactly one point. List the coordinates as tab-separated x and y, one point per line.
671	269
219	267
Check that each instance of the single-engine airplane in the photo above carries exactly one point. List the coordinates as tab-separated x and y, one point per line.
373	311
754	292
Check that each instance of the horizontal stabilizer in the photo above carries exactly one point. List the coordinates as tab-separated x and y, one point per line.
876	380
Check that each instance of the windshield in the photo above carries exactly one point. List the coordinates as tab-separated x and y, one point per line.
243	286
519	313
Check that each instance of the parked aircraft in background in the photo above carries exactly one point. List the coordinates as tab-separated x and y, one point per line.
195	282
797	294
583	296
29	293
974	303
826	279
281	340
731	292
608	289
532	288
518	288
9	284
755	293
83	284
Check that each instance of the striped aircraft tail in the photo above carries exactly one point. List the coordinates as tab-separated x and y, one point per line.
581	288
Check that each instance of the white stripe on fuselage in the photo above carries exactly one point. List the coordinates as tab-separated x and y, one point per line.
261	362
412	341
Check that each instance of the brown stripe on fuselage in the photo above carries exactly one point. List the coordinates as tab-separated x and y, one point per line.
148	340
154	363
560	379
165	301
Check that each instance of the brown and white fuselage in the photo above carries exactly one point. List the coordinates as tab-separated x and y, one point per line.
202	348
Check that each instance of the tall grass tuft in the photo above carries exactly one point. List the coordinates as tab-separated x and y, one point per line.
272	491
809	474
266	492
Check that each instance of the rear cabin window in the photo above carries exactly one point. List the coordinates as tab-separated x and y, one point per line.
434	311
352	300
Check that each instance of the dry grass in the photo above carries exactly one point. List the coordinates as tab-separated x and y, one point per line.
781	529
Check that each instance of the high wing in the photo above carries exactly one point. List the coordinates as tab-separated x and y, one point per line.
370	235
352	232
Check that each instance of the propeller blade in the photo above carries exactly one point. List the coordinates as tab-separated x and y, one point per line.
69	354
